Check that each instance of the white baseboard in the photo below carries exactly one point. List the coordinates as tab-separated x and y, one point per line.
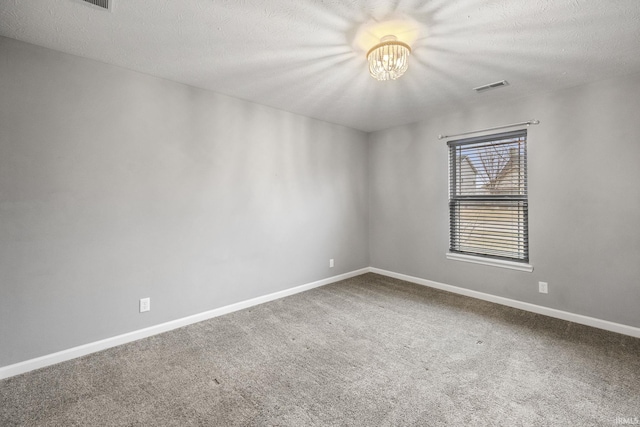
551	312
82	350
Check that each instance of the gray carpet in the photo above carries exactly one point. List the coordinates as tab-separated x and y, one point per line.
368	351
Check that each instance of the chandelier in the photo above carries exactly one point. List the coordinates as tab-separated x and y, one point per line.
389	59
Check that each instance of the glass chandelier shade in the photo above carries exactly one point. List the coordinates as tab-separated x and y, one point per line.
389	59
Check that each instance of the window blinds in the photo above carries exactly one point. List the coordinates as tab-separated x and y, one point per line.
488	204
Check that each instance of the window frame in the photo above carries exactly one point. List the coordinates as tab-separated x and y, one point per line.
455	202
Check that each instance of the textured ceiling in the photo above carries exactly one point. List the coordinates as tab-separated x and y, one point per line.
307	56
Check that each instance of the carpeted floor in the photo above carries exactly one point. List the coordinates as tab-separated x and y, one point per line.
368	351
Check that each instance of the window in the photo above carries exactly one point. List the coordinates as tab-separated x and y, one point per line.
488	204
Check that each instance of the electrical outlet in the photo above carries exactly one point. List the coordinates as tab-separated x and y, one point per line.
331	263
543	287
145	304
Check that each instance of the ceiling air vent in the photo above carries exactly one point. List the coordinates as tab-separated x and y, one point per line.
490	86
99	4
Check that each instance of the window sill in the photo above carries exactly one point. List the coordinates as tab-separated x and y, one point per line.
511	265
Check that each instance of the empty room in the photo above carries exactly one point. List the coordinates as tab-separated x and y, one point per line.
319	213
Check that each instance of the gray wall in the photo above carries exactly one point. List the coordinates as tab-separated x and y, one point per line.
584	186
116	185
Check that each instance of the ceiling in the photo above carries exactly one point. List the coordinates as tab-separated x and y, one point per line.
308	57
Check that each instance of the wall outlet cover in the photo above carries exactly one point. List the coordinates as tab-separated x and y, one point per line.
145	304
543	287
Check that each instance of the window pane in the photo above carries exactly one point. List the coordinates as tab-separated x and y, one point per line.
486	168
489	228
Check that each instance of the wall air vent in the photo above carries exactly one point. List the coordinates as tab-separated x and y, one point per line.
490	86
99	4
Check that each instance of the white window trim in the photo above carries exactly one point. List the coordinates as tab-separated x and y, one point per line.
511	265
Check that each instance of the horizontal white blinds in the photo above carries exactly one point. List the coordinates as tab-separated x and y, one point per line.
488	196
